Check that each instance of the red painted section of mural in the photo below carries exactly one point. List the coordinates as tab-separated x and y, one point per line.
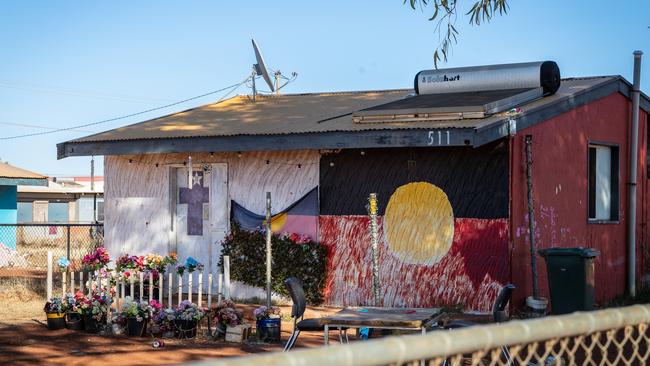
560	168
471	274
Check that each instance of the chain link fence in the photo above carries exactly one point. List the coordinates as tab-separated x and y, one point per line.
23	247
604	337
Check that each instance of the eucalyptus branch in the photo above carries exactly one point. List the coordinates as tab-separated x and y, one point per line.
445	12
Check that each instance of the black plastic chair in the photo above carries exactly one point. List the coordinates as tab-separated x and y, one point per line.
298	311
498	310
498	315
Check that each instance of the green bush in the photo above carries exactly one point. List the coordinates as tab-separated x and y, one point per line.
305	260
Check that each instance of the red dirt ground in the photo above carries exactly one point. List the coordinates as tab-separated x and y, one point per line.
32	344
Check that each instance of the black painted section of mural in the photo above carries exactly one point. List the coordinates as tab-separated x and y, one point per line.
475	180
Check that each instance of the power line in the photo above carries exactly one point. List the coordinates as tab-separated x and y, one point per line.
57	90
232	87
29	125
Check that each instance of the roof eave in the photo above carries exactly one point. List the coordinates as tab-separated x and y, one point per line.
23	182
295	141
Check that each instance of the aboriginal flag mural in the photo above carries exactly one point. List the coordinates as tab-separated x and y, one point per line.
443	225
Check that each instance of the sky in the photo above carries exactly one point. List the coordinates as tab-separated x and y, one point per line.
64	64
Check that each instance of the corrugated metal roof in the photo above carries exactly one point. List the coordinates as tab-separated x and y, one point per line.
14	172
304	113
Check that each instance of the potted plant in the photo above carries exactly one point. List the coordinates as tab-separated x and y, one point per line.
188	316
137	315
94	311
230	322
55	313
222	317
268	323
164	322
74	313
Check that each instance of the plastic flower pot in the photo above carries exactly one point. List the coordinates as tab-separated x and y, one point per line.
268	330
186	328
136	328
74	321
91	325
55	321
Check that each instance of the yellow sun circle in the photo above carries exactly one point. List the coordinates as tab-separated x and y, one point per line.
419	223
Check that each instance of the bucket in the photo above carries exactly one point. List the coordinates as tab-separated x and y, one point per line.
55	321
186	328
536	307
74	321
268	330
90	324
136	328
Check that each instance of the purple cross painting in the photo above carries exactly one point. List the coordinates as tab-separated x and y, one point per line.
195	197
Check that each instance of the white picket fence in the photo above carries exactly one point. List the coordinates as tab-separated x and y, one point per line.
173	283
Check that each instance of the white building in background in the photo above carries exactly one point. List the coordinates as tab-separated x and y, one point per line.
64	200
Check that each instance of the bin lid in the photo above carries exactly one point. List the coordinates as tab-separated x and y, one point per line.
580	252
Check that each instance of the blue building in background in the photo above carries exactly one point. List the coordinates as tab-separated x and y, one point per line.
10	178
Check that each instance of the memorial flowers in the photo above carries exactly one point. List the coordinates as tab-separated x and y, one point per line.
190	266
55	306
228	315
139	310
96	260
189	311
132	262
63	264
165	320
264	312
94	307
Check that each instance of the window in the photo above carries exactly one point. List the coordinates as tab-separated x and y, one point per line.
25	212
57	212
603	183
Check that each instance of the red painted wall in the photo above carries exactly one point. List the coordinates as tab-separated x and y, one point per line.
470	274
560	192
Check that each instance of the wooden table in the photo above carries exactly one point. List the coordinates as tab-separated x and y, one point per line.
382	318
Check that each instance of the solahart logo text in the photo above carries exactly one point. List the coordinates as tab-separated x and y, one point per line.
439	78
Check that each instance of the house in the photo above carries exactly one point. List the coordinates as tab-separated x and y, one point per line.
10	178
62	200
447	162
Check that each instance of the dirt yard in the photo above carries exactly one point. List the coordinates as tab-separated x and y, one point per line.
25	342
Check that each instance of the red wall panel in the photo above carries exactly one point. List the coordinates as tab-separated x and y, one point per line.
560	192
471	273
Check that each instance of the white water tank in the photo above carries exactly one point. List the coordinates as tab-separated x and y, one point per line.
542	74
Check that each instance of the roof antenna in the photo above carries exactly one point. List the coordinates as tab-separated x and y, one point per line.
259	69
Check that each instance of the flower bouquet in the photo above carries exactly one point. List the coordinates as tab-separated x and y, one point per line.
94	311
137	315
96	260
188	316
164	322
74	313
190	266
63	264
55	313
227	315
268	326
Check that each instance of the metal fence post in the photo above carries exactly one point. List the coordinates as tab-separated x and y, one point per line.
68	242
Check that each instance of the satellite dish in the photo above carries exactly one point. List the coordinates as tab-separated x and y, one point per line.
260	67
